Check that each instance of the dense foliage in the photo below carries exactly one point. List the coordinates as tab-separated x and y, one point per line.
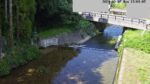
21	19
20	55
26	10
54	12
32	15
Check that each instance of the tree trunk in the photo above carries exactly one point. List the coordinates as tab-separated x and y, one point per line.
10	25
0	37
6	8
17	18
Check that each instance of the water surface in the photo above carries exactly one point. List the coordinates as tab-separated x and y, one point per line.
94	63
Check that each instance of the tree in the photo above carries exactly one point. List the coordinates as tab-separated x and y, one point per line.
24	19
26	10
6	9
0	34
10	25
51	12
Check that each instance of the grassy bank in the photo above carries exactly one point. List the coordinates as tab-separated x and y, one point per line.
135	39
60	29
135	60
135	67
57	30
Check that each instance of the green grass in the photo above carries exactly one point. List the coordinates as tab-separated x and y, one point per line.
119	5
55	31
134	39
136	57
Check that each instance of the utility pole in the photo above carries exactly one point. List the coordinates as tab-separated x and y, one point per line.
109	5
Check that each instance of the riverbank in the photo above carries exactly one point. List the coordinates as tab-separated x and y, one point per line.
95	63
134	55
19	56
135	67
60	35
43	69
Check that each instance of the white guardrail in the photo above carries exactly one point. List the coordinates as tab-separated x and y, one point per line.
124	18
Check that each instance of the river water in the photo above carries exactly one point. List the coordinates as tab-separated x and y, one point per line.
93	62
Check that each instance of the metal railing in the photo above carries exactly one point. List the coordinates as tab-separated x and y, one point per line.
117	18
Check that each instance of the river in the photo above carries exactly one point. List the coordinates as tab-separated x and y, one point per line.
93	62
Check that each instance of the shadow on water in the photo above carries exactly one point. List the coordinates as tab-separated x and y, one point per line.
42	70
95	63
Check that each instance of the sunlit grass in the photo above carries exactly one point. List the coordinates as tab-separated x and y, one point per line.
135	39
55	31
136	57
119	5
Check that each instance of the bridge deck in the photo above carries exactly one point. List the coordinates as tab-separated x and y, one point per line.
117	20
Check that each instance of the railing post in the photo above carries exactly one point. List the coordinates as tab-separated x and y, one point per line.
146	26
131	20
139	21
145	23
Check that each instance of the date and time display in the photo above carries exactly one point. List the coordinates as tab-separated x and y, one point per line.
124	1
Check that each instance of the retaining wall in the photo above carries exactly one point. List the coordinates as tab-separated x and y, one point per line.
76	37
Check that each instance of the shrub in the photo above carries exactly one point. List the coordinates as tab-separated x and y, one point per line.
87	27
19	55
84	24
4	67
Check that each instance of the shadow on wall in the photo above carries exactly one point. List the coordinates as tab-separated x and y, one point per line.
100	26
102	20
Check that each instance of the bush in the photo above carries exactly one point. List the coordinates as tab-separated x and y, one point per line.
87	27
83	24
30	53
20	55
4	67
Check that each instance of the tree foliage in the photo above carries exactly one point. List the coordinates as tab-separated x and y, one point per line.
29	14
26	13
55	12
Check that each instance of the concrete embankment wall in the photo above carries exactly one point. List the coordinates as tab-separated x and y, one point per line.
75	37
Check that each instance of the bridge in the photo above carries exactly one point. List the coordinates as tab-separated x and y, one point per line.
121	20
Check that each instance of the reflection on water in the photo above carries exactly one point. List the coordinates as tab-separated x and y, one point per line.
95	63
86	67
113	31
83	68
42	70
